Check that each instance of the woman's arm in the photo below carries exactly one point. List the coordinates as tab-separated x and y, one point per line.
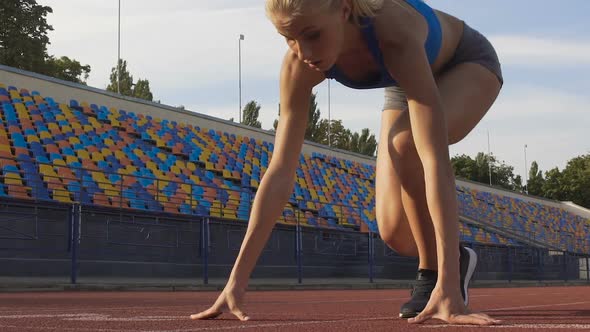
296	83
409	65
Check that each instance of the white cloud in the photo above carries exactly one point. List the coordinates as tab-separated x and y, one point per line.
532	51
170	47
532	100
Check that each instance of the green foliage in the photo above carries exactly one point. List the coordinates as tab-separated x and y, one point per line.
141	90
23	42
365	143
313	132
126	87
552	187
23	34
251	112
535	181
478	170
573	182
344	139
67	69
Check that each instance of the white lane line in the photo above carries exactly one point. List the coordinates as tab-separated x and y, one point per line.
278	325
59	328
50	316
534	327
536	306
243	326
93	317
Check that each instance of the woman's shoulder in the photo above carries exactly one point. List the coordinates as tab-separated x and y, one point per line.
398	23
293	70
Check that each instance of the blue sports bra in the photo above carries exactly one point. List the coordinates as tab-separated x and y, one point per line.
432	46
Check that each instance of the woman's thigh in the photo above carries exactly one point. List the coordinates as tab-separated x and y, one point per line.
467	92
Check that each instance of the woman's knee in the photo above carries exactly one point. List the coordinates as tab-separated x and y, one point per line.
405	156
397	235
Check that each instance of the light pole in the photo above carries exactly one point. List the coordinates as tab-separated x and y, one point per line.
489	159
329	117
526	181
119	51
240	73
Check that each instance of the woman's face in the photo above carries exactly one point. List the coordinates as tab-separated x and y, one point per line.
316	37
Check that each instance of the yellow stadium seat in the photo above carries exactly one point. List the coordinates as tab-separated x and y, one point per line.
97	156
62	195
45	134
13	179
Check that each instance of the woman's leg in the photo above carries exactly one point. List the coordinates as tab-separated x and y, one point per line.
467	92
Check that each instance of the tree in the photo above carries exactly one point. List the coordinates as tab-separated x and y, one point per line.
251	113
340	137
478	170
552	187
23	42
23	34
141	90
363	143
315	131
312	133
67	69
575	180
125	86
535	181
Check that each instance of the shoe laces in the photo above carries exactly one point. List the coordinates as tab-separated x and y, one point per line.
423	287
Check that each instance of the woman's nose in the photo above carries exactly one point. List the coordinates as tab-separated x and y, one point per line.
304	52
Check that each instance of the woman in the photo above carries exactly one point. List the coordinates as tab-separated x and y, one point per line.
440	78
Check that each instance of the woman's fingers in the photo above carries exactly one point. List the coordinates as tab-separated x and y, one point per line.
421	318
473	319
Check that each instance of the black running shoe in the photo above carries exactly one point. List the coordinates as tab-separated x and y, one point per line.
467	263
423	286
426	281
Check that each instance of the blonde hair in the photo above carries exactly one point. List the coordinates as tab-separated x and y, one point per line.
360	8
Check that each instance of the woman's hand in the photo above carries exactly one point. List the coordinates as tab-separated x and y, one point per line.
231	299
447	305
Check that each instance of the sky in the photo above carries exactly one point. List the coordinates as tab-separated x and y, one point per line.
188	50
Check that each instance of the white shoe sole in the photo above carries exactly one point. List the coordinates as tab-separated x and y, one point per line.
470	270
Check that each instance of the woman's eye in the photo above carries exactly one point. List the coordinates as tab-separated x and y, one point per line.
313	35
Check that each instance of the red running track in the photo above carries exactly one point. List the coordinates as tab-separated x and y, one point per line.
521	309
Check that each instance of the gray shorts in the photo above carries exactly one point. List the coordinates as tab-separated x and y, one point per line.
473	47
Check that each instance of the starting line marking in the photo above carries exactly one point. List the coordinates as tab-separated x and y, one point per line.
234	327
519	326
536	306
101	317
